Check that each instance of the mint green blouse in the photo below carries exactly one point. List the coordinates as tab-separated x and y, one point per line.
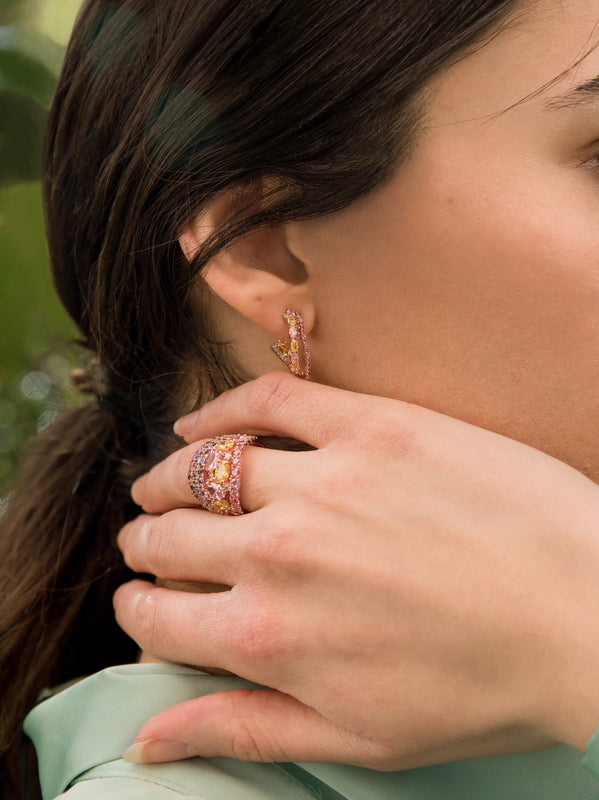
80	732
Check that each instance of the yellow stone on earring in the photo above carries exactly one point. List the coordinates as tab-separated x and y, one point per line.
289	351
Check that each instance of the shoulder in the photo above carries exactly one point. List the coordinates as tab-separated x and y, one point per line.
120	788
81	731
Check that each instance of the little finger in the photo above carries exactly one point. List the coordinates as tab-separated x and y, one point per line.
160	621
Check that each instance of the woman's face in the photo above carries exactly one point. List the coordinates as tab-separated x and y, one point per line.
469	282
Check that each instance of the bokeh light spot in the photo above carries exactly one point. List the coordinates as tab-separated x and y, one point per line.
36	385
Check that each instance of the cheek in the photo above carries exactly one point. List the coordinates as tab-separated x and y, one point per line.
524	252
482	304
504	271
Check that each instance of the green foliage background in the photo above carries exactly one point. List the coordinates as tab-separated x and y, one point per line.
35	358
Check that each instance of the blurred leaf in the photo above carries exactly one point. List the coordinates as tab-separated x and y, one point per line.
31	314
22	125
27	83
25	61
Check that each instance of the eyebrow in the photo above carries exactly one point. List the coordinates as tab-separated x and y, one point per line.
585	94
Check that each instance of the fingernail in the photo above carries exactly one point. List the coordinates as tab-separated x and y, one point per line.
157	750
136	491
184	425
121	535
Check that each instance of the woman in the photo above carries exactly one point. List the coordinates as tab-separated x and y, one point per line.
400	177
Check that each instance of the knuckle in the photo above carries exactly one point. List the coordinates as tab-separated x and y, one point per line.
160	543
244	744
126	540
403	441
132	542
395	428
260	638
146	615
239	736
253	640
335	478
273	544
270	393
284	543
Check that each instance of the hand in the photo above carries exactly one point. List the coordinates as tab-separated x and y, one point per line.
416	590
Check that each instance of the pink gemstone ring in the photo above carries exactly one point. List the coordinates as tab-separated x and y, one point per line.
214	473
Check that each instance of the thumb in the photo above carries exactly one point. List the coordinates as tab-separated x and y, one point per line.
249	725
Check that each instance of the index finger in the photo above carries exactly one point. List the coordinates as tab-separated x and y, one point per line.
278	404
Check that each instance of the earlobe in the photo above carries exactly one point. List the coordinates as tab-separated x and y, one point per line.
257	275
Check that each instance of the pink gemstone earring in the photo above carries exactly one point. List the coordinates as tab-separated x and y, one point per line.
289	351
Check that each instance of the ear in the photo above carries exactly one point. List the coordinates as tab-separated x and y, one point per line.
257	275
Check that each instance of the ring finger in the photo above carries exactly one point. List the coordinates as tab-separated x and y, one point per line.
265	474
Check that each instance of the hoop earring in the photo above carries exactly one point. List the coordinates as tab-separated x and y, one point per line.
289	351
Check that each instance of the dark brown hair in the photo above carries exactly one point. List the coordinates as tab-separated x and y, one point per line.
160	108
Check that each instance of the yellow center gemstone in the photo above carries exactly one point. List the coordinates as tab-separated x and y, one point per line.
222	472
